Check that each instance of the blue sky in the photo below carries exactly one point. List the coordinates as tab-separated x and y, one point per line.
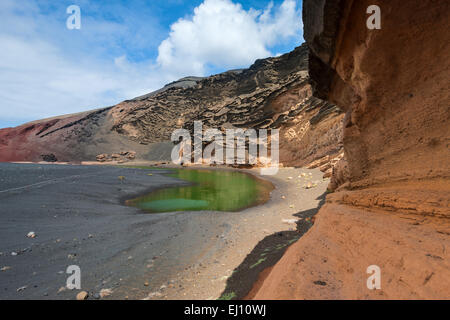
126	48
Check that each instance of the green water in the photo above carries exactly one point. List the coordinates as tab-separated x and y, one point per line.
212	190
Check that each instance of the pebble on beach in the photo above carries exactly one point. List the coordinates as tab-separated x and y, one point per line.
31	234
105	293
83	295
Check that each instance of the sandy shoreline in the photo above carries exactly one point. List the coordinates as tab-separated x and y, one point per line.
259	236
193	255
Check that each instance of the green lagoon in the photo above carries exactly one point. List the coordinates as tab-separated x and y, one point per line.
211	190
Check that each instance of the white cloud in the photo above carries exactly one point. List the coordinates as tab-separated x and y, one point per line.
46	70
38	80
222	33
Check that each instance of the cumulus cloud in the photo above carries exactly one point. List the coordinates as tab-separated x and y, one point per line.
222	33
47	70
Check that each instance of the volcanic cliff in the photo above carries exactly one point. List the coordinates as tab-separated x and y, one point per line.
272	93
390	206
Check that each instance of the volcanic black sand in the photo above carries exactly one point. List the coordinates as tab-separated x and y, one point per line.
78	216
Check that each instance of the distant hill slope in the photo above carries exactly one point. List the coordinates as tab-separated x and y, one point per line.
272	93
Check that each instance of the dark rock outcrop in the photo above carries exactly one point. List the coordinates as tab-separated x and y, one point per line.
49	157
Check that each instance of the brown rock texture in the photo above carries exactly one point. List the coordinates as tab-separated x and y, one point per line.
391	207
272	93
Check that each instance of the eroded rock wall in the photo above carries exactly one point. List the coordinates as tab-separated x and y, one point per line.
391	205
272	93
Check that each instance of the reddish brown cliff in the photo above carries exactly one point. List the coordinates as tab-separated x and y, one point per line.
391	205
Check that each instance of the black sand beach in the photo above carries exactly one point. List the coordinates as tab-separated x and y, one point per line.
79	218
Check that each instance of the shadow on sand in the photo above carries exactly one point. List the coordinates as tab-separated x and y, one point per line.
266	254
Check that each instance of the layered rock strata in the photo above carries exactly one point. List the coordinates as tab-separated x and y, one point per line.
391	203
272	93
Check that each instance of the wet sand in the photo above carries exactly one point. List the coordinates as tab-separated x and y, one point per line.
78	215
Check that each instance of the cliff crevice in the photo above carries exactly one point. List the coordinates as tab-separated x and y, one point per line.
390	203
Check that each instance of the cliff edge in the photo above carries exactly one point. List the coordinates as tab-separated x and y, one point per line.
389	205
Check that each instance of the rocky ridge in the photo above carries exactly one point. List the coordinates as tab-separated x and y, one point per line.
272	93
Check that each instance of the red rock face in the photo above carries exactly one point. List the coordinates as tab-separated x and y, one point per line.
23	144
68	138
391	207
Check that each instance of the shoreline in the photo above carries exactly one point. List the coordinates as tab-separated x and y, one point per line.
220	267
259	179
214	244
